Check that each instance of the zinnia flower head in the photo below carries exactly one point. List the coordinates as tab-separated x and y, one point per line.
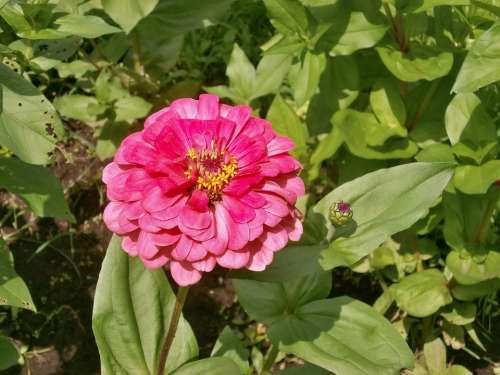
203	184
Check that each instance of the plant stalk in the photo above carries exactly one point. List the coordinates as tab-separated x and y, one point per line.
182	293
270	359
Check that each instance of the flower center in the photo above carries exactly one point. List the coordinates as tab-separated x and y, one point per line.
212	169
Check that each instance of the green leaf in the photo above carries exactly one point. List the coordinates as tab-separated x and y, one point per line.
268	302
79	107
472	179
13	290
286	122
471	292
422	294
109	138
305	81
480	66
437	152
29	125
463	215
271	71
76	68
350	26
467	120
9	355
287	16
159	50
131	108
473	267
421	62
344	336
327	147
338	89
460	313
384	202
288	264
435	356
209	366
85	26
228	345
308	369
388	106
127	13
241	73
367	138
132	310
423	5
37	186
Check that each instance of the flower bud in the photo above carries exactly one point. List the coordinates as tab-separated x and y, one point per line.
340	213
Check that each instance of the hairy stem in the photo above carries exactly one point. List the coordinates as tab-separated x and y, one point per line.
174	321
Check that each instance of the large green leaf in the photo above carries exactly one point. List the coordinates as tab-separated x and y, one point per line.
160	34
472	179
306	79
9	355
388	106
85	26
286	122
271	71
475	267
79	107
326	148
480	67
132	310
13	290
367	138
241	73
421	62
344	336
29	125
228	345
268	302
384	202
349	26
422	5
288	16
127	13
338	88
209	366
422	294
308	369
37	186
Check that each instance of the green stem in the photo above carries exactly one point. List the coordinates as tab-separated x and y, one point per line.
482	229
182	293
271	358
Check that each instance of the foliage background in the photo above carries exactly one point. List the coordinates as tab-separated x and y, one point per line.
360	86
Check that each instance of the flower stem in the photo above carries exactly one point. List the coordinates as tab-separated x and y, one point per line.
179	303
270	359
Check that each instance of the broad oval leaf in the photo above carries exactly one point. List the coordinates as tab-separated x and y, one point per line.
209	366
9	355
480	67
85	26
37	186
132	310
422	294
344	336
29	125
421	62
13	290
384	202
472	179
127	13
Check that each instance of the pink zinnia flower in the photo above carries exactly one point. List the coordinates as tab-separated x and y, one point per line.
203	184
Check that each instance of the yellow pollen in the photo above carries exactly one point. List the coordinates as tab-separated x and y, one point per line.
212	170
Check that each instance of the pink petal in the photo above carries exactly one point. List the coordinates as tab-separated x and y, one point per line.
129	243
146	247
208	107
275	238
218	244
294	228
197	253
182	248
241	213
260	259
158	261
187	108
205	265
279	145
234	259
166	237
184	274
